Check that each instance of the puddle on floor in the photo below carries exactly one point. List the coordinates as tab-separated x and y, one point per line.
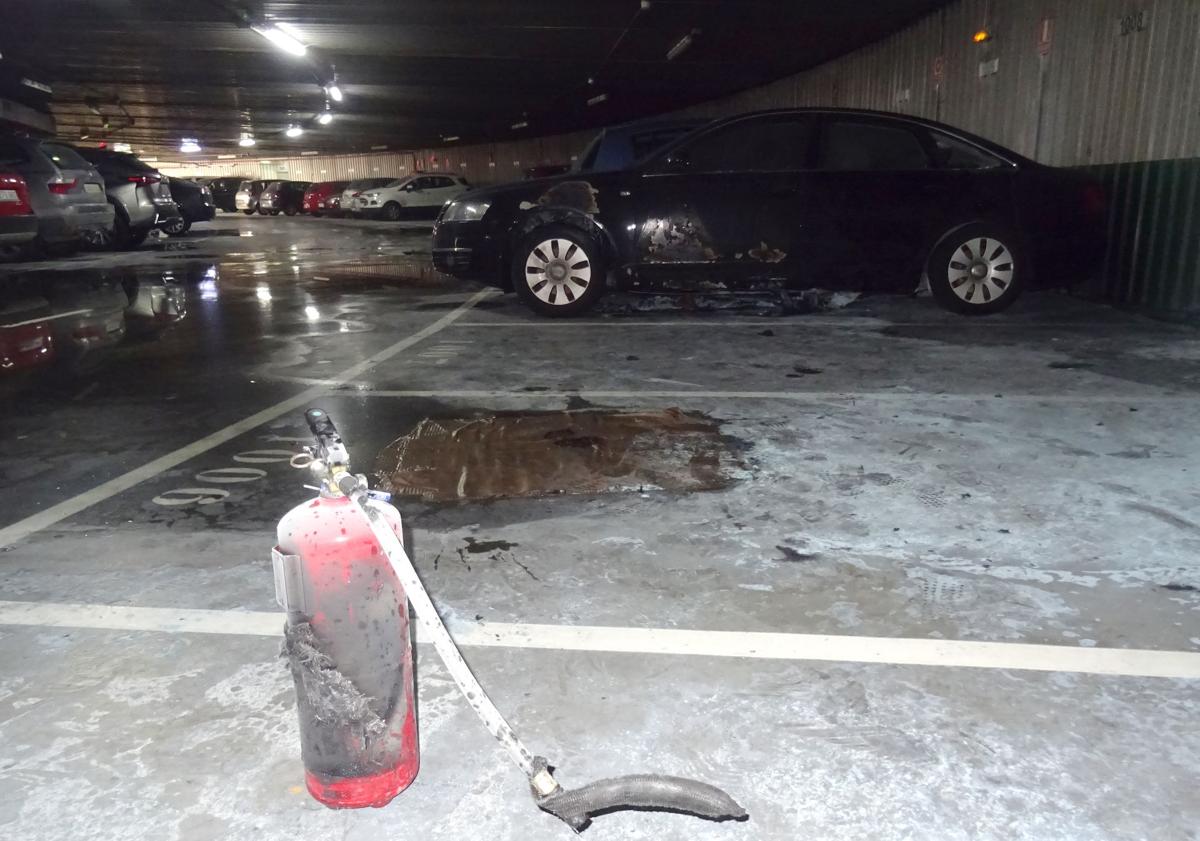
404	271
530	454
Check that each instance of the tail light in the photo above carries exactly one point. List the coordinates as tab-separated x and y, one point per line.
1095	201
61	188
144	179
14	196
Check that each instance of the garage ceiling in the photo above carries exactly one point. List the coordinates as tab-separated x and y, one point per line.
413	71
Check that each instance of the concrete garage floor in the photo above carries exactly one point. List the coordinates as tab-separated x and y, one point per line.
1027	479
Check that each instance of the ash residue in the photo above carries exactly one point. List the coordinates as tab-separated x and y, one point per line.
329	697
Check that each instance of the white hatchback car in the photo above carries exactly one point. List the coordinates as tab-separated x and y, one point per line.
414	197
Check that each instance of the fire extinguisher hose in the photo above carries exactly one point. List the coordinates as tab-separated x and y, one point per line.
574	807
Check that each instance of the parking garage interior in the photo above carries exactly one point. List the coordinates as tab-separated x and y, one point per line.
874	559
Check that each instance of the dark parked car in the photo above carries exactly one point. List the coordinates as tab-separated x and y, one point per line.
283	197
64	190
796	199
195	205
224	192
246	198
138	193
620	147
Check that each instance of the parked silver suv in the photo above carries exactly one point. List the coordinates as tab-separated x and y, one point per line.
65	191
138	192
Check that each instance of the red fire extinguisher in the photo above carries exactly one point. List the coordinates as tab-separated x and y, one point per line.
347	639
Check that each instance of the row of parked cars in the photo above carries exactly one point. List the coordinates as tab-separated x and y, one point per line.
411	197
54	196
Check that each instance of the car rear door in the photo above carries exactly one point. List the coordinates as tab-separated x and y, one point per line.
729	204
887	200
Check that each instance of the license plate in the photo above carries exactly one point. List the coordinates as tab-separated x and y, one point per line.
93	188
8	195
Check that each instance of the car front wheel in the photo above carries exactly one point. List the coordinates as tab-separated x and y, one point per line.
977	270
559	271
391	211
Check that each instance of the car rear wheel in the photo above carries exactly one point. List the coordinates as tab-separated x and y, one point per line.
290	211
976	270
177	227
391	212
249	212
559	271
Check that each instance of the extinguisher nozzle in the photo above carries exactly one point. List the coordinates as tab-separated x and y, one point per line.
642	792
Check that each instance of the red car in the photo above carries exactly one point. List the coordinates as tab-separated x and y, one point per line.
323	197
25	338
18	224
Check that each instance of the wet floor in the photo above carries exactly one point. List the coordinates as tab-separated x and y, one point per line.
594	497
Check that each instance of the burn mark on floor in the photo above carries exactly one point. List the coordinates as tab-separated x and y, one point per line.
577	451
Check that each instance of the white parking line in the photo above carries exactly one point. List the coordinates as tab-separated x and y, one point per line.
1124	662
69	507
806	396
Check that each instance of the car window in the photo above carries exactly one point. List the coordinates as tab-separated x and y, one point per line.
645	143
11	152
64	157
852	146
952	153
777	144
443	182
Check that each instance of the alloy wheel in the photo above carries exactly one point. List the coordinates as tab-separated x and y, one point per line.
981	270
558	271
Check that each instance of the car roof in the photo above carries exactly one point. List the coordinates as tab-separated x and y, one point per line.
982	142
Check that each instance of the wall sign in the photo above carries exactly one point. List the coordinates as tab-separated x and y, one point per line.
1134	22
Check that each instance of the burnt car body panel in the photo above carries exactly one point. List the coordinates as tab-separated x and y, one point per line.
837	198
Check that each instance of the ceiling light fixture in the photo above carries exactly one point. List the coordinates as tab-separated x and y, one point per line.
335	93
682	45
246	140
981	36
189	146
451	139
294	130
326	116
596	100
282	36
520	125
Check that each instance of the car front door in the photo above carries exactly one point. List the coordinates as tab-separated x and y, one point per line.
727	205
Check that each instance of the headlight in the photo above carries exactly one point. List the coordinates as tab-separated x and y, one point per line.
466	211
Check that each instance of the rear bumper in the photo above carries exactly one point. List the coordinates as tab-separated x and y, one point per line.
18	230
68	224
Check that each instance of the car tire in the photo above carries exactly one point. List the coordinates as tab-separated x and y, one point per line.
125	238
249	212
290	211
177	227
559	271
316	214
392	211
978	269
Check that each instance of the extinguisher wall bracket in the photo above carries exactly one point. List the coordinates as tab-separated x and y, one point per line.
289	581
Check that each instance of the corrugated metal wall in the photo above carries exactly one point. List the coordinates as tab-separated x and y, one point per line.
1116	82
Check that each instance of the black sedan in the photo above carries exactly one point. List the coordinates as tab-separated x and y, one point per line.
195	205
224	192
787	200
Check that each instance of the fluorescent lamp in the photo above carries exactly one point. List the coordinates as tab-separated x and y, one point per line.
189	146
597	99
285	40
452	138
520	125
294	131
335	93
246	140
681	45
325	118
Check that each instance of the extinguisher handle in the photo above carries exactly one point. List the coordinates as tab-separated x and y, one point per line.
330	448
320	424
